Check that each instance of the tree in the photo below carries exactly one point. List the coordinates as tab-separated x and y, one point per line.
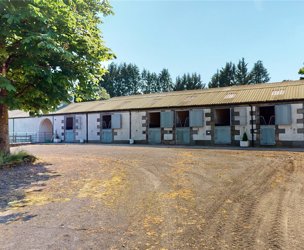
100	93
149	82
131	79
241	74
194	81
231	75
224	77
165	81
49	51
259	73
154	83
188	82
215	80
122	80
110	79
180	83
227	75
301	72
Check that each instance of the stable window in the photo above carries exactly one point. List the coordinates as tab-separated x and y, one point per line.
222	117
267	115
69	123
182	119
106	121
154	120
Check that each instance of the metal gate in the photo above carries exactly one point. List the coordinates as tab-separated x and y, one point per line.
154	136
106	136
183	136
222	135
267	135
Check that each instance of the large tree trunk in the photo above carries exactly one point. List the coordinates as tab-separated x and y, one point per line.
4	136
4	133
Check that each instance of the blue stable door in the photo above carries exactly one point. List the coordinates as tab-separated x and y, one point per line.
154	135
267	135
222	135
106	136
69	136
182	136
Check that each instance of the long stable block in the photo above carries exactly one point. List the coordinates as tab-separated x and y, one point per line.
270	115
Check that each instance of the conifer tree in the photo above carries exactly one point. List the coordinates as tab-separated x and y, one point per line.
241	73
259	73
165	81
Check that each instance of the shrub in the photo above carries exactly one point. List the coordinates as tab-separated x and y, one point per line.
245	137
16	158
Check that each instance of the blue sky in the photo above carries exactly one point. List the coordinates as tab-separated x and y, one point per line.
201	36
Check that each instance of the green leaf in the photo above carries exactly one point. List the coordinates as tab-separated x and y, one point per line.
6	84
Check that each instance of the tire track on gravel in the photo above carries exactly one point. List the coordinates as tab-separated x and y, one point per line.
243	197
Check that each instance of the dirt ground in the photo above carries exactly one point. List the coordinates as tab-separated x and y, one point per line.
141	197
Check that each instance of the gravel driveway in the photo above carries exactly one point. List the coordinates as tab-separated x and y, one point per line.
142	197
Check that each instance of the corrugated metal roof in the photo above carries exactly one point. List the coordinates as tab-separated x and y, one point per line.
270	92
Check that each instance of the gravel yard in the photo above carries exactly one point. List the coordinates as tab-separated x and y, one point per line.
144	197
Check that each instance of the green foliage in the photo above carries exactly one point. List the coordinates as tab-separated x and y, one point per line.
188	82
231	75
245	137
259	73
130	75
241	75
50	51
164	81
16	158
150	83
122	80
126	79
6	84
301	72
225	77
215	80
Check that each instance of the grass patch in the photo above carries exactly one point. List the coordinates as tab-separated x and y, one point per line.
18	158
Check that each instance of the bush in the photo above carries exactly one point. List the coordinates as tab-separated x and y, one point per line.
245	137
16	158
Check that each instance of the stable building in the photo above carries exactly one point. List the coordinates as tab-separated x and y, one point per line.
270	114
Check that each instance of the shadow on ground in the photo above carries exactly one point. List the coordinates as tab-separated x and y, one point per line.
13	183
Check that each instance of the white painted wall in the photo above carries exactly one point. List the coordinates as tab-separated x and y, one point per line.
291	130
244	118
123	133
137	128
27	126
93	127
81	127
201	134
58	124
